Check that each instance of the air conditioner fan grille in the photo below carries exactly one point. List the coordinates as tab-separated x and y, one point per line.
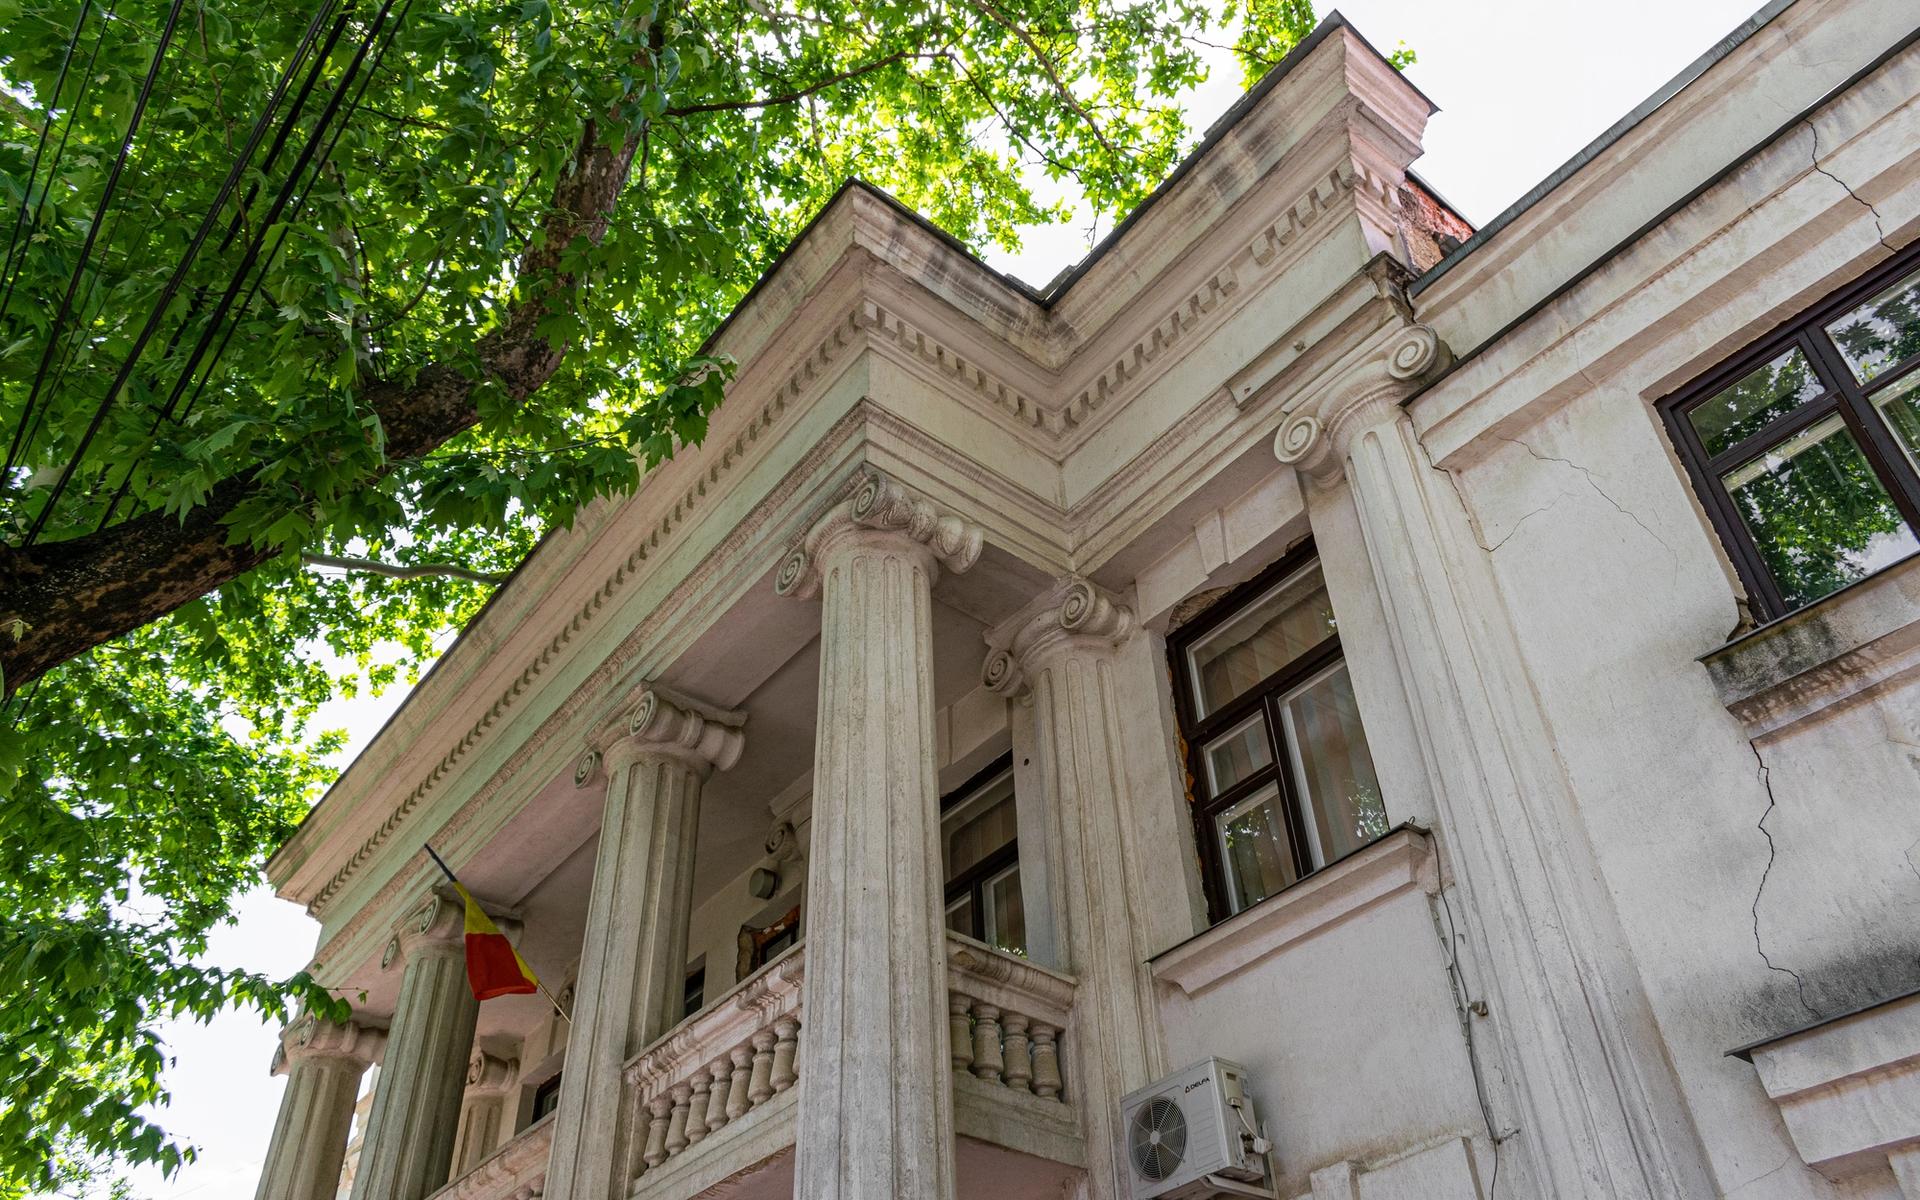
1157	1140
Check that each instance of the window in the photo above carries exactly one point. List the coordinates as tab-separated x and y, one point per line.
980	856
546	1098
1806	450
1282	779
694	997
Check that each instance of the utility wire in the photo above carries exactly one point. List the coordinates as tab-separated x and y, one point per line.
200	235
14	240
339	128
246	265
16	450
86	251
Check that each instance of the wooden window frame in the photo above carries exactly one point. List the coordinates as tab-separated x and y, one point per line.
1265	698
1844	395
974	879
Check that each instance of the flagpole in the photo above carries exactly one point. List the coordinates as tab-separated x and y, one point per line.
455	880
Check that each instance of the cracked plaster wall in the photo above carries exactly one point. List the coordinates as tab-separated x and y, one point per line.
1741	929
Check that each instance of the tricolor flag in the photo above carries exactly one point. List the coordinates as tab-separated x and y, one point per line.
494	967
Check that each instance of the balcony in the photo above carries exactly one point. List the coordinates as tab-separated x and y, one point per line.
516	1171
714	1098
1012	1104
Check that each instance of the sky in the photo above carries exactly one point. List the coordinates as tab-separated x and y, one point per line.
1522	86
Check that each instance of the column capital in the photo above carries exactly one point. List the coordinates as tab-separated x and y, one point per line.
1317	432
489	1075
1074	612
309	1037
876	504
653	722
438	922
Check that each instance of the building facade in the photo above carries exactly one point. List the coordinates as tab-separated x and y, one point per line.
1466	678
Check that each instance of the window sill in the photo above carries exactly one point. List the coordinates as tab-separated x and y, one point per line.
1849	1088
1402	861
1826	654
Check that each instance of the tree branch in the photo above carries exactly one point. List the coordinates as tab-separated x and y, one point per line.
60	599
402	570
1046	64
799	93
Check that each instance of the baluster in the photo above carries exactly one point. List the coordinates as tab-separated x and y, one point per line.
659	1106
761	1086
677	1124
957	1006
1019	1063
787	1030
642	1134
697	1108
1046	1061
737	1102
722	1073
986	1042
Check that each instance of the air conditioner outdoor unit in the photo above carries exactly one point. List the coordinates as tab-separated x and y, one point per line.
1194	1134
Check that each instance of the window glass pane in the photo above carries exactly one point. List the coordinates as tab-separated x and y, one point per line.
978	826
1279	627
1900	405
1238	753
1883	331
1334	767
960	914
1006	913
1818	513
1255	848
1751	405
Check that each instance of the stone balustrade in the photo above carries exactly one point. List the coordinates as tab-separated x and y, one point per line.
718	1067
1008	1017
516	1171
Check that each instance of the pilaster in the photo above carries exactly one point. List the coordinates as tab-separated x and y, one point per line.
483	1109
1591	1108
1062	656
415	1118
657	751
876	1107
323	1062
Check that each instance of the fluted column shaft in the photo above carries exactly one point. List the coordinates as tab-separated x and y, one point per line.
323	1062
1599	1111
415	1118
1062	655
876	1111
658	753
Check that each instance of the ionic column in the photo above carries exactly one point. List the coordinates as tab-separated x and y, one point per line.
323	1062
483	1108
415	1117
1061	654
876	1110
656	752
1594	1107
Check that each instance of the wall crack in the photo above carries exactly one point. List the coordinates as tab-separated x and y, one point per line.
1879	226
1593	483
1773	852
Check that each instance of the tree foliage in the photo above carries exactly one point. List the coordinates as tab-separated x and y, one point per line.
412	281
